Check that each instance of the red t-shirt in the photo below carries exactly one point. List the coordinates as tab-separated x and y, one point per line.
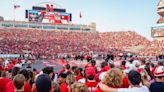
125	83
79	77
98	90
27	87
3	83
123	67
139	70
92	86
64	87
10	87
34	88
97	75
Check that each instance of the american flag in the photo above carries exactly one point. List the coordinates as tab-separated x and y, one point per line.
16	6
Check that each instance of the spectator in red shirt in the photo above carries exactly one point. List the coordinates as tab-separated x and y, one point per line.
67	69
19	81
3	81
123	63
78	74
90	79
104	66
27	87
10	86
62	81
114	78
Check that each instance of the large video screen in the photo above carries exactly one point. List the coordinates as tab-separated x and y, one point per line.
48	14
34	16
157	32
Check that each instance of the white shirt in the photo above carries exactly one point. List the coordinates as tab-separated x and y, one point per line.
142	66
130	67
18	65
83	80
134	89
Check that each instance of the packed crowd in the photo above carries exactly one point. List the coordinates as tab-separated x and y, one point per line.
122	40
130	76
47	44
153	49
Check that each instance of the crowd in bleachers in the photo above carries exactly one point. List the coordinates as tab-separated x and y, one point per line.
155	48
47	43
132	75
121	40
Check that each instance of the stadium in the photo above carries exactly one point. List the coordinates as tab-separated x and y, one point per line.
47	52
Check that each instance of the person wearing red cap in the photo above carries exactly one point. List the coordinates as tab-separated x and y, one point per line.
158	85
90	82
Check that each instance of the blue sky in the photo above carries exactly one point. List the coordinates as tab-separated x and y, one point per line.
109	15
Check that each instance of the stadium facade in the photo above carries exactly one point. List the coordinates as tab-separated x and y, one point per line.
45	17
48	26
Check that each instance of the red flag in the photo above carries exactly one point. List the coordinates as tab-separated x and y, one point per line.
80	15
16	6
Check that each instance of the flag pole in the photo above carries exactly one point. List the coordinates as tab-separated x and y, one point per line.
13	6
14	13
80	21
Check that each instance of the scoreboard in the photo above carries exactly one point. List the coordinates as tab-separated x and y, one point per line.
48	14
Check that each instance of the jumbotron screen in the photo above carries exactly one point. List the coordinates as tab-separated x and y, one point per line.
157	32
48	14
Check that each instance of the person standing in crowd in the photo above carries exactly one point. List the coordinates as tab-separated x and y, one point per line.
43	83
3	81
67	69
49	71
104	67
19	81
80	87
55	87
10	86
78	74
158	85
114	78
90	79
134	80
27	86
123	63
62	82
